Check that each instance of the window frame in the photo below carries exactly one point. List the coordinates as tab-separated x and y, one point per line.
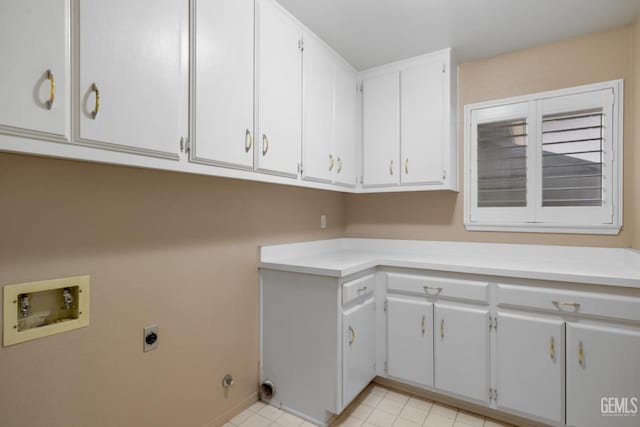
536	218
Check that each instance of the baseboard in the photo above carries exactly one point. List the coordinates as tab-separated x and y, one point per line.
233	411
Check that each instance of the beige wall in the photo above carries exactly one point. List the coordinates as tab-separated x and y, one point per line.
634	221
439	215
173	249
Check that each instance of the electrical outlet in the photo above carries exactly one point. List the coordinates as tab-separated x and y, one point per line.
323	221
150	338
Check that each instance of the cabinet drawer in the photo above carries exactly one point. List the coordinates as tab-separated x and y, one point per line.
571	302
438	287
357	288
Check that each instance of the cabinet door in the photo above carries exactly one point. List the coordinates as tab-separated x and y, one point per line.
346	96
133	81
319	159
530	366
358	349
410	341
280	91
381	130
223	84
602	363
34	41
423	123
462	351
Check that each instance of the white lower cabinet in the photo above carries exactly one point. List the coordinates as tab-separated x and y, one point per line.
546	353
530	366
603	377
358	349
410	340
461	351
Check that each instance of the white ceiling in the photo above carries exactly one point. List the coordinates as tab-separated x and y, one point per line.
374	32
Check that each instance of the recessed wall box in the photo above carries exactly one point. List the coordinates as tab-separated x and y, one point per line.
38	309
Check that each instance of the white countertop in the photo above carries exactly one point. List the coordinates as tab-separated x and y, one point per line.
343	257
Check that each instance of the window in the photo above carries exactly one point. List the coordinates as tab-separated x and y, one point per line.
549	162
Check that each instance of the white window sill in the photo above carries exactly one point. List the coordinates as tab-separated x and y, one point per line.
545	228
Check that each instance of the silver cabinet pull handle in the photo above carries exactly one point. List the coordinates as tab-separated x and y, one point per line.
442	328
431	290
362	289
52	89
352	337
331	162
96	108
339	165
566	304
552	349
406	166
265	144
391	168
424	320
248	141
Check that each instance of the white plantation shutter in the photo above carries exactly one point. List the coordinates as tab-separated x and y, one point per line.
577	163
547	161
502	159
572	155
502	164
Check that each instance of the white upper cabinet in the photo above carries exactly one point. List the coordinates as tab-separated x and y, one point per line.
279	137
223	38
346	98
423	123
34	70
236	88
530	366
133	82
381	130
330	97
408	124
319	161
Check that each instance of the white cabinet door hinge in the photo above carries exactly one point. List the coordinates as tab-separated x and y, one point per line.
185	145
386	304
300	168
386	366
444	68
493	323
361	87
444	175
301	45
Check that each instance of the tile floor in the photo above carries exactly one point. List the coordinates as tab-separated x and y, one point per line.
377	406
